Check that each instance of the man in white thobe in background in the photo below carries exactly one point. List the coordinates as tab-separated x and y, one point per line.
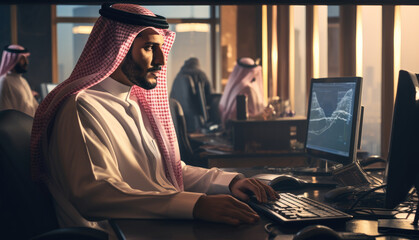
246	79
15	92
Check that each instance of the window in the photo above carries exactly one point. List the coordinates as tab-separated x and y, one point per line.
196	30
371	73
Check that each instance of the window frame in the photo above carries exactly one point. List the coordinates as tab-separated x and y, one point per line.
212	21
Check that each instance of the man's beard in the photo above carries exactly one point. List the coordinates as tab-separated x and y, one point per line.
135	75
20	68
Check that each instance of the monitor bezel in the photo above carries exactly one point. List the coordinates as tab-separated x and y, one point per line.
44	88
355	123
402	164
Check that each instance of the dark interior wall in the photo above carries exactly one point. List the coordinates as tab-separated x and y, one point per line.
5	35
34	33
249	38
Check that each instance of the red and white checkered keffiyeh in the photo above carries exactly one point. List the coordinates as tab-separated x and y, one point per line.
105	49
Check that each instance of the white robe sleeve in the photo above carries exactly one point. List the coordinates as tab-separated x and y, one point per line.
209	181
83	165
17	94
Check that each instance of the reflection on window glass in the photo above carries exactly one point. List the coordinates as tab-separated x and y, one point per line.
371	84
71	38
181	11
333	29
192	40
300	60
409	38
78	11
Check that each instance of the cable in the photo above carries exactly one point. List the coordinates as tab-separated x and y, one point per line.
269	229
370	176
365	194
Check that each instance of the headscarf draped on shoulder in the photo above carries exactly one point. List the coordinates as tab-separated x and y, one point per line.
109	42
11	55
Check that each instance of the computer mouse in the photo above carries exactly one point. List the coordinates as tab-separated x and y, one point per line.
317	232
284	182
372	159
339	194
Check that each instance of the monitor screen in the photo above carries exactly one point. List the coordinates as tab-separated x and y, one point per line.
403	161
47	88
333	118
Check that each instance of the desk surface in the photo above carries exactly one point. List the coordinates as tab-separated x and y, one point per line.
199	230
219	153
140	229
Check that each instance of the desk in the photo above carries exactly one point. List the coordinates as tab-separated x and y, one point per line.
219	153
200	230
235	159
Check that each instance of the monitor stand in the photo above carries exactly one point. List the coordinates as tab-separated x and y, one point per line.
322	169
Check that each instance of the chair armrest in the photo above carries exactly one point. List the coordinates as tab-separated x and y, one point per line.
73	233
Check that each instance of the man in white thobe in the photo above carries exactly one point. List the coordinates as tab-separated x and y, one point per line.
104	143
15	92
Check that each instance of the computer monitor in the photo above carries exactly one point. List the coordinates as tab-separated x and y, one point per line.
47	88
403	156
333	118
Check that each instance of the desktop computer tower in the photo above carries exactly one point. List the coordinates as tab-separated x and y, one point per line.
283	134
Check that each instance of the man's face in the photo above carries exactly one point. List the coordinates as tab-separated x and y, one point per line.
144	60
22	65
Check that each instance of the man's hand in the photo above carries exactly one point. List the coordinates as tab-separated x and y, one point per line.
242	187
224	209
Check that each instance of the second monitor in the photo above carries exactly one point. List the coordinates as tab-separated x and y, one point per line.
333	118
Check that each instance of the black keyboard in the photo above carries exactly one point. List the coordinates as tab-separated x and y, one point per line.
296	209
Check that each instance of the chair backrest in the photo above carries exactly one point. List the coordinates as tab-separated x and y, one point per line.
214	115
185	148
26	207
191	96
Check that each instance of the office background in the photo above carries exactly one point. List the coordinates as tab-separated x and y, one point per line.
294	43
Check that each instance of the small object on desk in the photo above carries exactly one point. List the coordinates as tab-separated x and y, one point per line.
323	232
339	194
241	107
317	232
281	181
371	160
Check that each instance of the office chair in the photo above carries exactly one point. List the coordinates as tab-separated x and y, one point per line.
27	210
178	118
214	115
189	154
191	96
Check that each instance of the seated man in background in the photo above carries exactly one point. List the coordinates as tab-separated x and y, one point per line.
15	92
246	79
104	143
190	84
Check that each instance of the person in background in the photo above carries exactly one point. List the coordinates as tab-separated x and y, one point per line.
246	79
15	92
104	143
190	84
